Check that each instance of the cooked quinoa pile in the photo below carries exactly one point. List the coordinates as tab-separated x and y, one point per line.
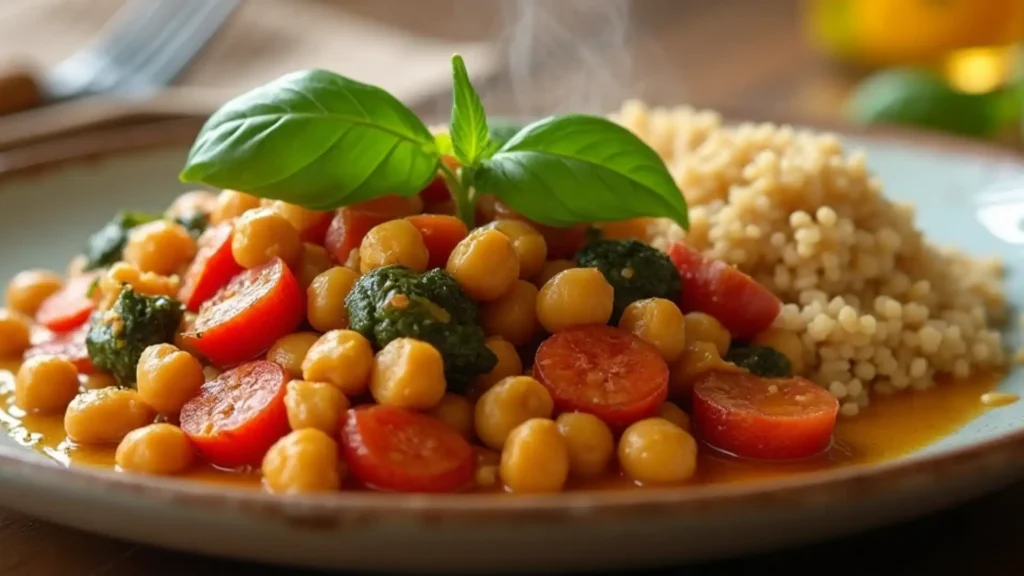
878	309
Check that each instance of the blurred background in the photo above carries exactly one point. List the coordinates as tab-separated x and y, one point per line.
946	65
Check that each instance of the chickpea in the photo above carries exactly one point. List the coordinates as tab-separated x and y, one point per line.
147	283
76	266
161	246
393	242
166	378
485	264
785	342
289	351
550	269
325	298
513	316
159	449
200	201
535	458
45	385
313	261
656	451
105	416
301	218
15	334
659	323
509	364
231	204
303	461
589	441
341	357
408	373
528	243
699	358
575	297
701	327
508	404
675	415
456	412
27	290
97	380
262	235
314	405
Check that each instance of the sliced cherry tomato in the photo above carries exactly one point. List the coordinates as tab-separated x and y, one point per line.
736	300
316	232
763	418
440	233
212	268
562	242
236	417
67	345
399	450
351	223
248	315
69	307
604	371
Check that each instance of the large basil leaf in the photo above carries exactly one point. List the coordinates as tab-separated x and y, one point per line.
567	170
315	139
469	121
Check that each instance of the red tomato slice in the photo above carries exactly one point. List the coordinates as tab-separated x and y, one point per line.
440	233
351	223
67	345
399	450
317	231
236	417
437	191
561	242
248	315
69	307
212	268
604	371
763	418
736	300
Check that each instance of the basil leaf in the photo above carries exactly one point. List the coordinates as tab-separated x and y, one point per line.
469	123
315	139
444	144
502	130
567	170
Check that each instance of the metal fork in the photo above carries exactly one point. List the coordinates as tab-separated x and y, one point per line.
144	46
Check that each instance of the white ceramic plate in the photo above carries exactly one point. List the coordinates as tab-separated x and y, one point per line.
47	211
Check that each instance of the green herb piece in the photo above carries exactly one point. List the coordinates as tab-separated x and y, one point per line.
635	270
315	139
105	246
117	337
763	361
195	223
469	122
566	170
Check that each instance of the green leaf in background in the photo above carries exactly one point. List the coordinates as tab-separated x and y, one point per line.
502	130
315	139
920	98
469	121
566	170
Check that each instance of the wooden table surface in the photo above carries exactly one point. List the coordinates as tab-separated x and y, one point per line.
741	56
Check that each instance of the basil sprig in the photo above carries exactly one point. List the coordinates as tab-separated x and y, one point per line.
323	141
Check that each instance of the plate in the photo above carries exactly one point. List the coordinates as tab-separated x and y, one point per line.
53	196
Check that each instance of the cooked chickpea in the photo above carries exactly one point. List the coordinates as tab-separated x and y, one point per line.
701	327
656	451
159	449
161	246
148	283
535	458
508	404
485	264
509	364
262	235
408	373
314	405
785	342
97	380
15	334
166	378
528	243
303	461
45	385
393	242
301	218
575	297
455	411
105	416
289	351
27	290
513	316
231	204
550	269
699	358
76	266
313	261
325	298
589	441
341	357
659	323
192	202
675	415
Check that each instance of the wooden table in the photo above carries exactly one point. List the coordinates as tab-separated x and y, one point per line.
743	57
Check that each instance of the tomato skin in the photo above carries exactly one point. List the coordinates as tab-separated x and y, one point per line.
317	231
248	315
213	267
437	191
763	418
351	223
69	307
604	371
373	434
736	300
67	345
236	417
440	233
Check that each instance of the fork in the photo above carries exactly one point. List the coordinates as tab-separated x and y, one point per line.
143	48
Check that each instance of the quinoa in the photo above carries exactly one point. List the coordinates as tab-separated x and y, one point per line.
877	308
